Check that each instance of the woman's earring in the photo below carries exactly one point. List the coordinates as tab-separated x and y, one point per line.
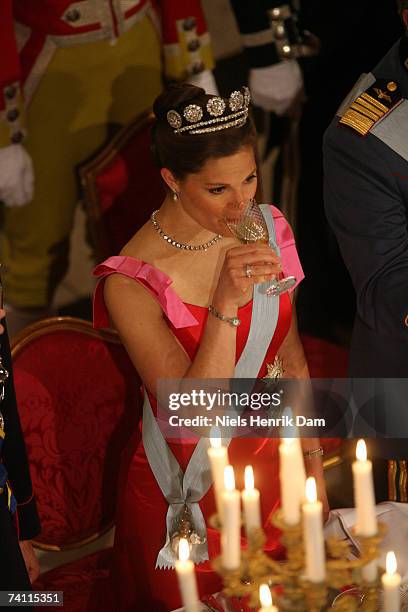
175	196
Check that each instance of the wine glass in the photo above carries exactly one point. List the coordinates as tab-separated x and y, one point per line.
251	227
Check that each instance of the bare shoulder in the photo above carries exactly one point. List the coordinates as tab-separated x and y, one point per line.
124	294
137	316
142	245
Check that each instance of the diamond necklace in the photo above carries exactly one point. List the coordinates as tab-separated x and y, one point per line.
181	245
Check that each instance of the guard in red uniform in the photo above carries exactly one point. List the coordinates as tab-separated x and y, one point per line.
69	71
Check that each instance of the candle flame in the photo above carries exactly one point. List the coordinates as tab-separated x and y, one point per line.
391	563
311	491
184	550
265	596
289	441
361	451
249	478
215	437
229	478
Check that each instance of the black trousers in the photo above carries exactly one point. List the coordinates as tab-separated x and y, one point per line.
13	573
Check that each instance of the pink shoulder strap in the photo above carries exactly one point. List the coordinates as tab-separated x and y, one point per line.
155	281
286	241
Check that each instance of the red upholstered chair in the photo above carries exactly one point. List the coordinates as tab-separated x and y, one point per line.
121	188
79	401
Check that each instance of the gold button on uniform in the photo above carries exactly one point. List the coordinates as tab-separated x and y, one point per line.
1	490
406	320
73	15
391	86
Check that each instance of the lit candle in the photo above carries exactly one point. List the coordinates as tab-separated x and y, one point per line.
366	521
366	524
231	528
218	456
391	582
251	502
265	598
291	432
313	534
288	471
186	578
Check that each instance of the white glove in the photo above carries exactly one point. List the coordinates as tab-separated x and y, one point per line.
275	87
16	176
206	80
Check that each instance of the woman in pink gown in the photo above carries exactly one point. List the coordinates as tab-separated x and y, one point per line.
156	293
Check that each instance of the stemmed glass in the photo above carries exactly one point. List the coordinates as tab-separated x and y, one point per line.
251	227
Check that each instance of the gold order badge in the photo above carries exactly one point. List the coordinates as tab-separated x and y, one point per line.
275	370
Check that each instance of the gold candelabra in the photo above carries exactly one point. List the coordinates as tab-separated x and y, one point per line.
294	593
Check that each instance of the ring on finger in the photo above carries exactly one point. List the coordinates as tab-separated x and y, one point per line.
248	271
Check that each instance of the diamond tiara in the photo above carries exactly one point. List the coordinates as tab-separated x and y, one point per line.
217	114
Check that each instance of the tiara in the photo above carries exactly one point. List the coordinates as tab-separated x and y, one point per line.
223	114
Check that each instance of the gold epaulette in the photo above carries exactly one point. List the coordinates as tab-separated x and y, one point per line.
371	106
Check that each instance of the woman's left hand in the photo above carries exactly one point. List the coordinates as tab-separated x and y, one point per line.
31	562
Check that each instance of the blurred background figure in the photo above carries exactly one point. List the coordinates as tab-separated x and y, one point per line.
71	74
297	80
302	78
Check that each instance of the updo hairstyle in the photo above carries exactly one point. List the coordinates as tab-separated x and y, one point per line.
186	153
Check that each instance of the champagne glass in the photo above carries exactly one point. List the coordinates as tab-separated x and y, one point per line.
251	227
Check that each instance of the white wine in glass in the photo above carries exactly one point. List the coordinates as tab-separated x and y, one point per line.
251	227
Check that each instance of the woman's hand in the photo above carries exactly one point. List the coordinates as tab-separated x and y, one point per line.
2	315
31	562
245	266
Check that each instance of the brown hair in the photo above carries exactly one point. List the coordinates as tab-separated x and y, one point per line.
186	153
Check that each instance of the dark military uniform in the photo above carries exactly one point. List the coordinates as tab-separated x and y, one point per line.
18	513
366	201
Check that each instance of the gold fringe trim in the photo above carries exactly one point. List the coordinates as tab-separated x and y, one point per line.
392	489
357	121
365	111
403	481
375	102
370	107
